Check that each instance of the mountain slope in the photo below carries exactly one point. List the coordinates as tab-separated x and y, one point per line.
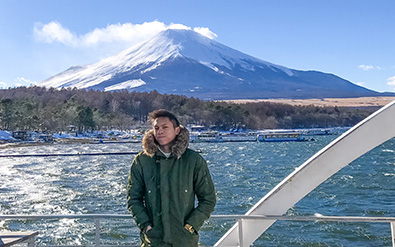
185	62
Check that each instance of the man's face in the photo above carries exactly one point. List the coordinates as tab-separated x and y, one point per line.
164	131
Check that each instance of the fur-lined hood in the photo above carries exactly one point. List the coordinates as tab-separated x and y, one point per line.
182	141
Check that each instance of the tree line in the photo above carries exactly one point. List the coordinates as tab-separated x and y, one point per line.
48	109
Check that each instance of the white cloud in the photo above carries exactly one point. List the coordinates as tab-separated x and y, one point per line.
53	32
3	84
391	81
20	81
369	67
114	33
126	32
206	32
366	67
178	26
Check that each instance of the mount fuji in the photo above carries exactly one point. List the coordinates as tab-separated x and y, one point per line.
187	63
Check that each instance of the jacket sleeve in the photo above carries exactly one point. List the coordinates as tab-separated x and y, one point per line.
135	195
205	193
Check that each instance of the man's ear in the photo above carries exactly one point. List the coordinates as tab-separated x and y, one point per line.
178	129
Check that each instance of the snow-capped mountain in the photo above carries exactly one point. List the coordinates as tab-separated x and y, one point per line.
187	63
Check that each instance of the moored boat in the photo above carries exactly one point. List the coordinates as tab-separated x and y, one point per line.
214	136
282	137
208	136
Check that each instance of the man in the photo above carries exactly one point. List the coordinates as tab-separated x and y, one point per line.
163	182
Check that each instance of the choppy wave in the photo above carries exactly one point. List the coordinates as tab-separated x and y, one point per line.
243	173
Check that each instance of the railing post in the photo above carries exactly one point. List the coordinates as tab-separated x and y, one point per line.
393	233
241	242
30	242
97	232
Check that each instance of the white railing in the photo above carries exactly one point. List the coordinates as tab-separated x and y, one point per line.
239	218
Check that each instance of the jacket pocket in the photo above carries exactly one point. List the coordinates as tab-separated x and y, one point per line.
152	237
192	239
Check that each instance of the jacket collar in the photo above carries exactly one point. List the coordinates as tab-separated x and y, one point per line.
179	147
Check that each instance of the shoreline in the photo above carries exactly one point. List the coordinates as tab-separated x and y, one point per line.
15	144
324	102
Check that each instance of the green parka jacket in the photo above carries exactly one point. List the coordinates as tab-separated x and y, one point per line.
161	192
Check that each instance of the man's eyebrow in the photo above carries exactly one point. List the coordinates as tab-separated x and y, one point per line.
163	124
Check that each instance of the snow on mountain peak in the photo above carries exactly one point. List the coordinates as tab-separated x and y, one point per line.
211	53
151	54
125	85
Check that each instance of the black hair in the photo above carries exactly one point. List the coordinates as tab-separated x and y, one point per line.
163	113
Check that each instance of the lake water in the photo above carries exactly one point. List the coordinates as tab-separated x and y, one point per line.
242	172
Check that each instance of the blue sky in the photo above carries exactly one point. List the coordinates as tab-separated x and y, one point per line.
354	39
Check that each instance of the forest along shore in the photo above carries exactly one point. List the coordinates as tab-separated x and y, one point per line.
326	102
